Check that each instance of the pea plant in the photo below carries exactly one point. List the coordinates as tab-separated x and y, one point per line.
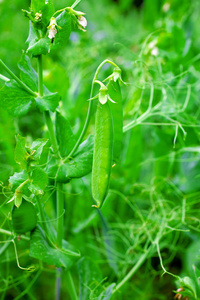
49	163
39	241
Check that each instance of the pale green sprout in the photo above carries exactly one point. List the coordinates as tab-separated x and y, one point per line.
103	94
116	75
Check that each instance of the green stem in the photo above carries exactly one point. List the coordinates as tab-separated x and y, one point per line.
40	76
67	8
23	85
143	117
106	61
83	131
41	212
75	3
60	215
60	233
7	232
43	220
58	284
60	200
4	78
47	116
51	133
133	270
71	287
52	136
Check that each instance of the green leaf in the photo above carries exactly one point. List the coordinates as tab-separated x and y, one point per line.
18	199
17	178
43	46
36	5
39	180
38	146
14	99
64	135
64	21
20	152
15	181
47	11
187	282
48	102
45	7
114	92
52	168
38	47
28	74
80	165
40	249
106	295
32	36
90	278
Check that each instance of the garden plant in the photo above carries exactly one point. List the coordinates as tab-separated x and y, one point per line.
99	147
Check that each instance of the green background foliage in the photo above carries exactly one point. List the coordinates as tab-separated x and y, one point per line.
152	208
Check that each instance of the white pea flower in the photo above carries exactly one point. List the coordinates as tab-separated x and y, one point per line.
52	28
79	18
152	44
82	22
152	48
166	7
154	51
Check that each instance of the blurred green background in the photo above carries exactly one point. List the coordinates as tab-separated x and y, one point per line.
154	190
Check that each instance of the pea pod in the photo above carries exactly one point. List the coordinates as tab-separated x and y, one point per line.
114	92
102	157
24	217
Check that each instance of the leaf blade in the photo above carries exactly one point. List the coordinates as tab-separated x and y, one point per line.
14	99
64	135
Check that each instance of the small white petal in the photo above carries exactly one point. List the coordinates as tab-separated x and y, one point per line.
52	32
82	21
103	98
152	44
154	51
166	7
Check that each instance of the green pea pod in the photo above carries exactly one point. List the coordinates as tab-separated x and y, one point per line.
24	217
114	92
103	150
